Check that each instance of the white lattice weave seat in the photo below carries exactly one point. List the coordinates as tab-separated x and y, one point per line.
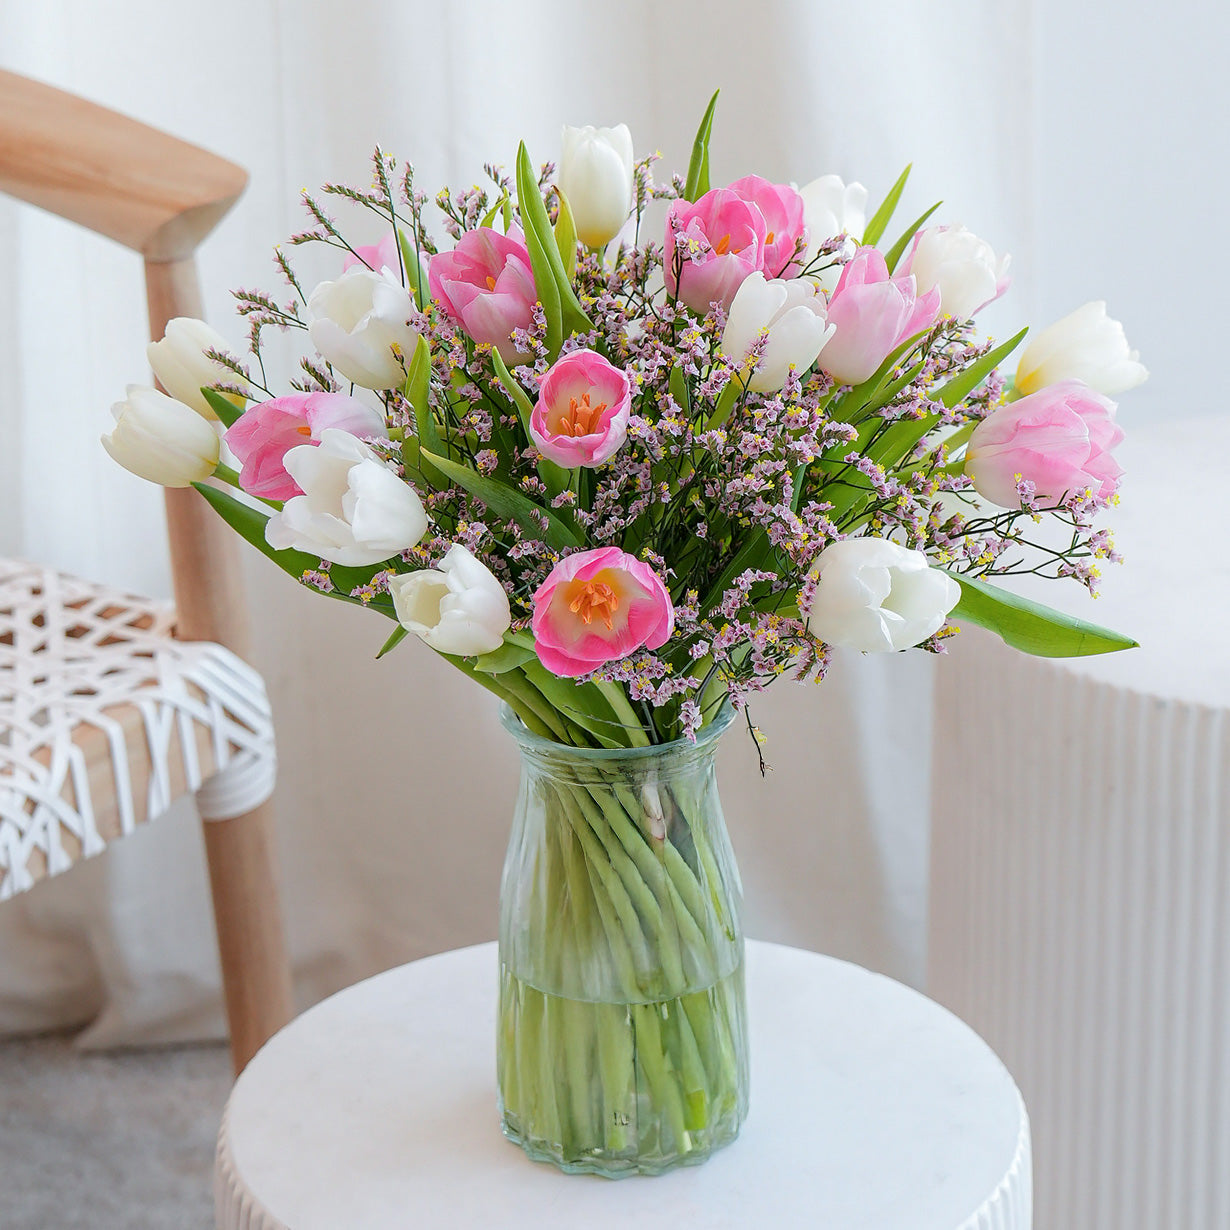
106	719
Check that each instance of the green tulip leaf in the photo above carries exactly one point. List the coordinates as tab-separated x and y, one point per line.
563	310
566	236
1030	626
223	406
679	390
884	215
416	275
426	439
508	657
249	523
509	503
698	166
554	477
961	386
894	254
395	638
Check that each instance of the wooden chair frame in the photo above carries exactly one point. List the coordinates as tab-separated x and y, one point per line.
160	197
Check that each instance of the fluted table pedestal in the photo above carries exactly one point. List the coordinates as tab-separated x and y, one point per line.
1080	863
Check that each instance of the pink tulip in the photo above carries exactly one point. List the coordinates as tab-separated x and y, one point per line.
1059	439
724	241
377	256
597	607
486	285
782	208
874	313
581	417
261	437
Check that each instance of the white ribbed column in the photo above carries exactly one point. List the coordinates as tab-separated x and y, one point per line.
1080	922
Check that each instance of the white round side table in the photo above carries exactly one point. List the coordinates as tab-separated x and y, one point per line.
872	1108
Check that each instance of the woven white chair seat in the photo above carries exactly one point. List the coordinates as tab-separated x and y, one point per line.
105	720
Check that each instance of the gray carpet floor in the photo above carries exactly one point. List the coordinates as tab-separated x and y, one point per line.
108	1141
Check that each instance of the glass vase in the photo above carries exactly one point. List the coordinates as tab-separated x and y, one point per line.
622	1037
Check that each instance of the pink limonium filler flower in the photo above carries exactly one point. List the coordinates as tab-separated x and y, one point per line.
581	416
377	256
263	435
597	607
874	313
1058	439
712	244
783	209
486	285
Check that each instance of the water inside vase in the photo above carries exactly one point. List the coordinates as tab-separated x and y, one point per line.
622	1088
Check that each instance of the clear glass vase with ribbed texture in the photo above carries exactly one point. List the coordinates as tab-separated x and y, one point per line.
622	1044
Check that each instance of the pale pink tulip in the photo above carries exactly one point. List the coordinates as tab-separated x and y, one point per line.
874	313
486	285
377	256
782	208
597	607
723	239
581	417
1059	439
261	437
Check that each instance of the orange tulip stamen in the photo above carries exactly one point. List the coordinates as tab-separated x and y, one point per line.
594	598
723	245
769	237
581	418
303	429
490	282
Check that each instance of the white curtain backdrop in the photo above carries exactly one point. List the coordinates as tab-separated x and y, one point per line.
397	784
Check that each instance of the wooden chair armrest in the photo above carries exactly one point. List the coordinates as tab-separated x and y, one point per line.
143	188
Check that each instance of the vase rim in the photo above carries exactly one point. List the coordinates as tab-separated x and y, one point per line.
528	741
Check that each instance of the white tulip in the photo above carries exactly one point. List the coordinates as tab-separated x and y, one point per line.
458	608
964	267
791	311
354	510
161	439
595	173
874	595
360	324
1086	345
182	367
830	208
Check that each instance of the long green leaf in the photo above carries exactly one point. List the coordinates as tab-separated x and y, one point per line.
416	275
725	405
750	555
897	442
679	390
249	523
222	406
698	166
508	502
848	407
426	433
564	313
508	657
1030	626
395	638
961	386
893	255
554	477
884	215
566	236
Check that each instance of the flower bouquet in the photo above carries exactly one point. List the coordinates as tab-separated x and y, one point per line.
623	486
